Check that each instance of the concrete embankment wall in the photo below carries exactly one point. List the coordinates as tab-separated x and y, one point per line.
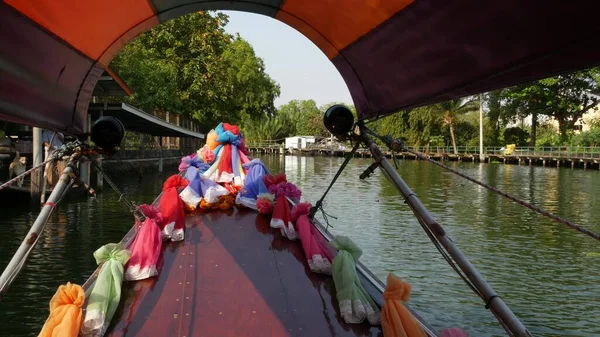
139	166
142	161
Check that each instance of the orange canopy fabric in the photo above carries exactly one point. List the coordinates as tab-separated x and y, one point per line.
396	320
392	54
66	315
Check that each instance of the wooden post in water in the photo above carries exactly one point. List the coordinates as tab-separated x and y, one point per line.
99	176
38	158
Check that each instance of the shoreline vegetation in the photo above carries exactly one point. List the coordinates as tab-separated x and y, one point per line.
191	66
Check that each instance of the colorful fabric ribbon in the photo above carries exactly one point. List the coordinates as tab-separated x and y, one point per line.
106	294
318	253
192	193
396	320
254	184
172	208
354	301
282	218
66	315
146	247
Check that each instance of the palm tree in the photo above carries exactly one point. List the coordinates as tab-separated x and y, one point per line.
451	109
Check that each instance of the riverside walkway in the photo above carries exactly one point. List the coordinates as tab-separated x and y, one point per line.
566	156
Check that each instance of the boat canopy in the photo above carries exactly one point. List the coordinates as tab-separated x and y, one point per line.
392	54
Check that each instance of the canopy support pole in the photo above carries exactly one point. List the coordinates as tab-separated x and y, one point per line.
495	303
18	260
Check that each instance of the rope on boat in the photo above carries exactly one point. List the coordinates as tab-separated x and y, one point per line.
132	207
460	273
447	247
319	204
13	180
398	144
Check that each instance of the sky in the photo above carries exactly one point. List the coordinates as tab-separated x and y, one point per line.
292	60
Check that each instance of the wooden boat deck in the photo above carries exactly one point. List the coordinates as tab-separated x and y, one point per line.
233	275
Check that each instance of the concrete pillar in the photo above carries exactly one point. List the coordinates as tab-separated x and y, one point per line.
572	164
160	165
544	162
38	158
177	122
84	168
585	165
168	138
558	163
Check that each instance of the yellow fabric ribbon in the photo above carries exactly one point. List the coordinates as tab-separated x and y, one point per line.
66	315
396	320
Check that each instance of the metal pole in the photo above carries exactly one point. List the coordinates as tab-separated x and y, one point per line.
481	157
18	260
507	317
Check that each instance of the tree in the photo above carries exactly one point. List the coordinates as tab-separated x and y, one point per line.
304	118
495	114
451	110
252	92
565	98
190	65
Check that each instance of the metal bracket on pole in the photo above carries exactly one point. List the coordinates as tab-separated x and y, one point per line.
506	317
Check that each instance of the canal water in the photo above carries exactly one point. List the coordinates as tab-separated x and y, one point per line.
549	275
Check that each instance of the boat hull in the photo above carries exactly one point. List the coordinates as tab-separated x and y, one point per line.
233	275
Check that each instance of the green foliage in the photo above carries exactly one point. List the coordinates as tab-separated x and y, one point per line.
547	135
450	111
515	135
189	65
565	98
265	129
587	138
304	118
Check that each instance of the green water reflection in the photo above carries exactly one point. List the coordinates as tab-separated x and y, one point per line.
547	274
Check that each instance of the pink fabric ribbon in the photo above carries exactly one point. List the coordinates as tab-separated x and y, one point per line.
318	253
146	247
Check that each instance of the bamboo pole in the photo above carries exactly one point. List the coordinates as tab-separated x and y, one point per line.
495	303
20	257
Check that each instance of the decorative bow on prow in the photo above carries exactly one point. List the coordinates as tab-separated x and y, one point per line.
66	315
318	253
106	294
396	320
355	303
146	247
172	208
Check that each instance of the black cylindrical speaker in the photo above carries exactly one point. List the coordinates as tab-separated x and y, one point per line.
108	133
339	120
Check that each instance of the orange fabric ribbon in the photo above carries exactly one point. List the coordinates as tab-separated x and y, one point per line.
396	320
225	202
66	315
